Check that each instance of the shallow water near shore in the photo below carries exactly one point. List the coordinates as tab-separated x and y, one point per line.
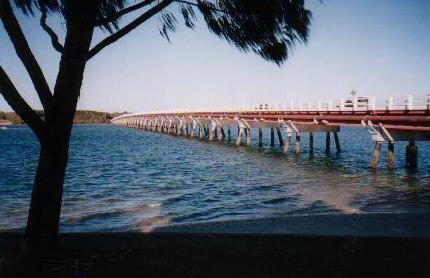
121	179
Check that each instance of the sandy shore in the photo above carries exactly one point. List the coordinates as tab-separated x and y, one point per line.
411	225
295	247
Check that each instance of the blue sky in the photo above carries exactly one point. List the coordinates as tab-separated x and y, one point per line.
379	48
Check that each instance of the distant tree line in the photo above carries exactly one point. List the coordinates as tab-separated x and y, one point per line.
81	117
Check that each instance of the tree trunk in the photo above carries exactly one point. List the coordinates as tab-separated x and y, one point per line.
45	207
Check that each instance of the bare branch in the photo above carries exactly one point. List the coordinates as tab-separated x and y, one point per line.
19	105
24	53
54	38
128	28
124	12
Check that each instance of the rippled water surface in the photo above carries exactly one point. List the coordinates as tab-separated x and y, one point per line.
122	179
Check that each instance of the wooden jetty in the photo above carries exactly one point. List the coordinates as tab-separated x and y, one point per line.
388	121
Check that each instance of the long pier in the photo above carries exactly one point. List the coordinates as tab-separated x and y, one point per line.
388	120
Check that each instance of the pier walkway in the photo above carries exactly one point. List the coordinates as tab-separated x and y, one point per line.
389	120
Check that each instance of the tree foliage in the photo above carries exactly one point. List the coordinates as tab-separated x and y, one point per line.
269	28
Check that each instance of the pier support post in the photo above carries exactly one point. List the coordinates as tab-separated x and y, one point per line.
336	141
228	133
260	137
248	137
298	145
239	137
193	128
411	155
281	141
375	155
201	127
287	142
327	142
272	137
212	132
390	155
222	132
311	142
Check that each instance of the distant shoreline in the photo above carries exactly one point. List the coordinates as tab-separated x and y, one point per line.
81	117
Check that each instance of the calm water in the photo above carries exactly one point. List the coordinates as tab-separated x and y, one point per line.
122	179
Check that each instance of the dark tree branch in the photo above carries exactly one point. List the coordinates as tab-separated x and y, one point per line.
24	53
128	28
19	105
124	12
54	38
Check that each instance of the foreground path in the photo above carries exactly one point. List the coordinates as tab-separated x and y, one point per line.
204	254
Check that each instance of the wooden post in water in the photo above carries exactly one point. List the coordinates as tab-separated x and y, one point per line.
201	127
390	155
411	155
192	130
336	141
287	143
239	136
228	133
272	137
222	132
248	137
298	145
311	142
278	131
260	137
212	132
375	155
327	142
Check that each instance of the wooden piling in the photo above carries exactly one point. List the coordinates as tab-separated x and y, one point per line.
327	142
248	137
272	137
228	133
260	137
298	145
411	155
222	132
375	155
390	155
239	136
336	141
311	142
201	136
281	141
212	133
287	143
